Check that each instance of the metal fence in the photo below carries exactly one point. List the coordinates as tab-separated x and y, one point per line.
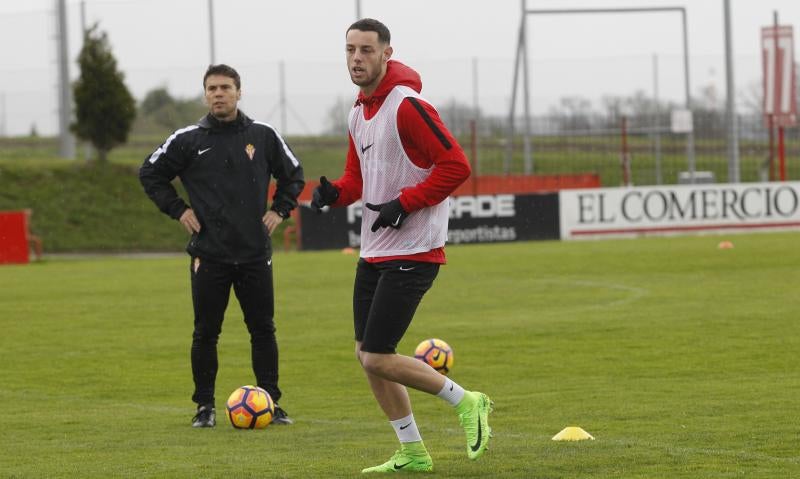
637	151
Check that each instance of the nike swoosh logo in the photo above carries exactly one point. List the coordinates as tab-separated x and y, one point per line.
365	148
403	427
400	466
397	221
451	387
403	268
478	442
269	262
436	357
200	152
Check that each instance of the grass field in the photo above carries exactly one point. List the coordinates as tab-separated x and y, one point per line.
681	359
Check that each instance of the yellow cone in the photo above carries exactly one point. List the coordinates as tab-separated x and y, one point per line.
572	433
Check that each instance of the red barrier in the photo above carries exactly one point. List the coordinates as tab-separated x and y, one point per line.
496	184
13	237
520	184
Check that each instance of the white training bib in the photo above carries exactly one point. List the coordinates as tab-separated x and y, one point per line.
386	170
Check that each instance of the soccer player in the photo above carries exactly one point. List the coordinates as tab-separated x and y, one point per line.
225	163
402	163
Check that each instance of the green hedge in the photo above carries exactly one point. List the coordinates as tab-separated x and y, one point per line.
95	207
79	207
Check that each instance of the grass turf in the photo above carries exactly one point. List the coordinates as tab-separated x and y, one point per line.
681	359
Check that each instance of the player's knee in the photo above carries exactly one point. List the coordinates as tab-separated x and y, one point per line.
376	364
358	354
261	333
205	336
201	339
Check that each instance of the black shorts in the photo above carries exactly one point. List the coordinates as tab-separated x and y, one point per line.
385	297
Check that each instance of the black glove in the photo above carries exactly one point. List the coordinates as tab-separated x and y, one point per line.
389	214
325	194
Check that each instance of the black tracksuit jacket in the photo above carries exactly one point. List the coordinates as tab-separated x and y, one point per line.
225	168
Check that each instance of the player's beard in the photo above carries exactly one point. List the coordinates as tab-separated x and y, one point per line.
369	77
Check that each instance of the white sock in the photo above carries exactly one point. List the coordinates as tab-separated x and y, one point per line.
451	392
406	429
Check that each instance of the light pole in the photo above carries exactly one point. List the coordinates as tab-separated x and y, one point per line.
67	141
730	103
211	31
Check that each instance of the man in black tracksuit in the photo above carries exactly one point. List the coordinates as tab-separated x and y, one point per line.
225	162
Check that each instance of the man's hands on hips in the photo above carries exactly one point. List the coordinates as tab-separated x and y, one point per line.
189	221
272	220
325	194
390	214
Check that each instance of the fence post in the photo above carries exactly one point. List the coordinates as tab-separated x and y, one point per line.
625	158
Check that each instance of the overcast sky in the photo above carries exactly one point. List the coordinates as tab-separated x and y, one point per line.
166	43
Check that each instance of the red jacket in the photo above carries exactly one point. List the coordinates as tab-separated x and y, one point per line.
426	141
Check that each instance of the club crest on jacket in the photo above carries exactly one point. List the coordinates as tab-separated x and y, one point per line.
250	150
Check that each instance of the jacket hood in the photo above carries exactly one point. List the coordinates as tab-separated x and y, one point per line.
208	122
396	74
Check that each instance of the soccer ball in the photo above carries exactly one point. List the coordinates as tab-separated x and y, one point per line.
250	407
436	353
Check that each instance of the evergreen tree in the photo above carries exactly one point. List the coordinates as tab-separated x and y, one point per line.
104	108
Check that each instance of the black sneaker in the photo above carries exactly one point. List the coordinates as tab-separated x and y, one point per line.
206	416
280	417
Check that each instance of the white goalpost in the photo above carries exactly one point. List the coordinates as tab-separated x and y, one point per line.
521	63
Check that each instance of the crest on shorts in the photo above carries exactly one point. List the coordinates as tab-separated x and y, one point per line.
250	150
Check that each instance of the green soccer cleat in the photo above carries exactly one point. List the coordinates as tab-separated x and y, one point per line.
404	461
473	414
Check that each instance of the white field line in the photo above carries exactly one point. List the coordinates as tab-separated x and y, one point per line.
633	293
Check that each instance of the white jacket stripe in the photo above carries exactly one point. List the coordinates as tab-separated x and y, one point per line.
163	148
286	149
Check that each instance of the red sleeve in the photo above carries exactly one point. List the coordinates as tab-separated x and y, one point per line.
351	183
427	142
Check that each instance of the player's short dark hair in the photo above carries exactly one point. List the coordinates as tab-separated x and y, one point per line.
372	25
223	70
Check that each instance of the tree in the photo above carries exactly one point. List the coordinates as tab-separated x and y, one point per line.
752	99
160	111
155	100
104	108
572	113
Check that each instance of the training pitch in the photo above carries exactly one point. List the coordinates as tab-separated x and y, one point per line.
680	358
